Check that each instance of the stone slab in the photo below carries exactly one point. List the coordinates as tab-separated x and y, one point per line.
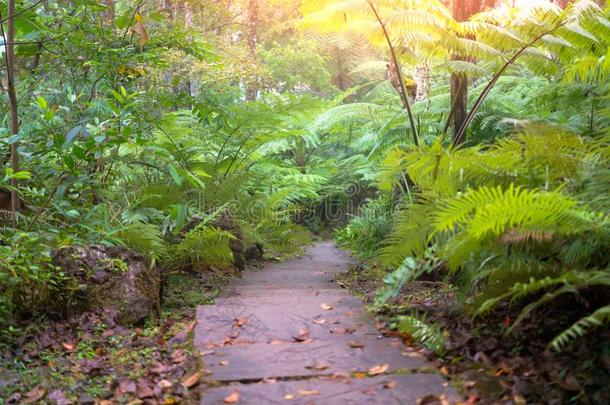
291	360
284	316
381	390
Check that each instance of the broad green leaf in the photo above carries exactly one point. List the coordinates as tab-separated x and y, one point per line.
174	173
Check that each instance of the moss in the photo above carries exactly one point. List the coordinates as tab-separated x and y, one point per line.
115	265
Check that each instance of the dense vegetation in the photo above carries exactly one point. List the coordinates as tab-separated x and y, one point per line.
467	142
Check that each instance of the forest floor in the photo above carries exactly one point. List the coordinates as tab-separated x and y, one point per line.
92	360
486	366
289	334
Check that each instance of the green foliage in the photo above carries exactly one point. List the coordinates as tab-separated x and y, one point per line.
508	221
145	239
365	231
297	67
583	326
420	330
409	270
202	247
27	276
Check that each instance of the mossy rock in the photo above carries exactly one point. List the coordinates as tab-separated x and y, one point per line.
109	277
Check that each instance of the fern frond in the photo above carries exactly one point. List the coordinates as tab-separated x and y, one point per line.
417	327
580	328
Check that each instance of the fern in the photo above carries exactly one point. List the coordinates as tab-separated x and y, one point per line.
145	239
580	328
418	327
202	247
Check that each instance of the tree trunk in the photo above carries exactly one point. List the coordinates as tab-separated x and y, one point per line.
251	88
422	81
462	10
12	100
109	13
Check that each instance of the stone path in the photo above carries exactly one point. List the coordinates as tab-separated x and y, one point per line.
287	334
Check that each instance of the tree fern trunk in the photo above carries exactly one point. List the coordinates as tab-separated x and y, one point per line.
462	10
251	88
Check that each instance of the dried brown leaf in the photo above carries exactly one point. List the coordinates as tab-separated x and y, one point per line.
232	398
379	369
191	380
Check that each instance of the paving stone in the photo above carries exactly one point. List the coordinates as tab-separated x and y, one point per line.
272	317
381	390
320	357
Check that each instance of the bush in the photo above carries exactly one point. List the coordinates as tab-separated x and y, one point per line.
27	276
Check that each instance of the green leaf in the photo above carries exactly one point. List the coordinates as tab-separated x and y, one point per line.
69	161
114	108
22	175
117	96
180	217
174	173
42	103
78	152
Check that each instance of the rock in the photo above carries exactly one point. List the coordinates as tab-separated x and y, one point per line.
226	222
7	378
109	277
254	252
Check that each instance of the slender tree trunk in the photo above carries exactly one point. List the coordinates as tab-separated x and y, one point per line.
462	10
12	100
422	81
109	14
339	78
251	88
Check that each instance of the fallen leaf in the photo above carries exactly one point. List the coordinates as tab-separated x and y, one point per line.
68	346
289	396
144	391
302	336
519	400
127	386
326	307
380	369
164	385
191	326
319	321
223	363
178	356
356	345
232	398
191	380
390	384
308	392
36	394
239	322
318	367
359	375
